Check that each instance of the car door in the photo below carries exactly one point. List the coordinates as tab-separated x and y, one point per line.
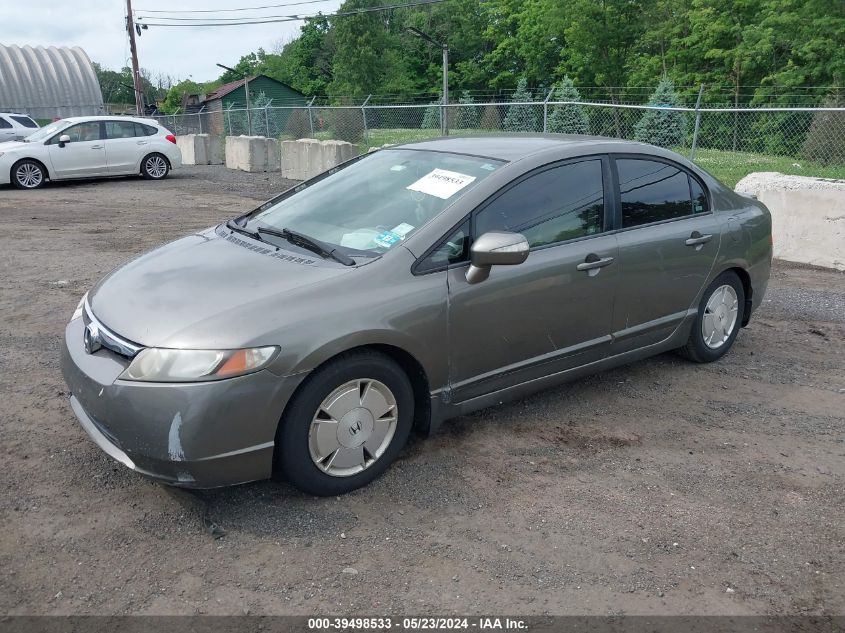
84	155
553	311
7	130
124	146
668	242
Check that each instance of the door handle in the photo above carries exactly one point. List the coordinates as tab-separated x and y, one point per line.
142	142
697	239
592	264
96	147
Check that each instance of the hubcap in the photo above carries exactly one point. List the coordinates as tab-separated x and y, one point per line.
352	427
29	175
720	316
156	166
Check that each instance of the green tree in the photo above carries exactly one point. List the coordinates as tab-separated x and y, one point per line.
666	128
521	117
469	115
570	118
431	116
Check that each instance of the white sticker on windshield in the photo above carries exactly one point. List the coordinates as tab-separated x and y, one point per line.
441	183
402	229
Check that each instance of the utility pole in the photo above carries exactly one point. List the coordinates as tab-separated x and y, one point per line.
136	72
444	124
246	90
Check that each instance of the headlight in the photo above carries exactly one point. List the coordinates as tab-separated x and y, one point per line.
190	365
78	312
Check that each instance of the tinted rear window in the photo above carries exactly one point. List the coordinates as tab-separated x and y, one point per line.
652	192
4	123
145	130
25	121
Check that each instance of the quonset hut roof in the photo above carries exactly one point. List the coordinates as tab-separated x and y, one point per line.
46	83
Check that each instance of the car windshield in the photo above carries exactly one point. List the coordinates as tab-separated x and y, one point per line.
47	131
380	200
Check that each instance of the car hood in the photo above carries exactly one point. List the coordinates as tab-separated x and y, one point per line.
8	146
206	291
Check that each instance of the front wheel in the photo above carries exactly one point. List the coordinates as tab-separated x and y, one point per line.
719	319
155	167
28	174
345	425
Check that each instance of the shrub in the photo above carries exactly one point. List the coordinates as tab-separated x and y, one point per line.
666	128
521	118
491	118
346	124
468	116
568	119
825	141
431	118
298	124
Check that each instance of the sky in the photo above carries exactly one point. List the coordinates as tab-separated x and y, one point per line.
181	52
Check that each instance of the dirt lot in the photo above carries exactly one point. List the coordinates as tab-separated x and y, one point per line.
661	487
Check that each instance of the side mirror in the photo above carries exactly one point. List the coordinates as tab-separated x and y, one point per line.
64	138
495	248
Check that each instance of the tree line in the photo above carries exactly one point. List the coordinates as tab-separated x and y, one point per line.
743	51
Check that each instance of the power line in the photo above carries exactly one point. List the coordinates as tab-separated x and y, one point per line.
292	18
268	6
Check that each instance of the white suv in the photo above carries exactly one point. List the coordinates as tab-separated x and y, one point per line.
82	147
14	126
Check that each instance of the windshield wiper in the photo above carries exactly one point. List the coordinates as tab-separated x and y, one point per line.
234	226
311	244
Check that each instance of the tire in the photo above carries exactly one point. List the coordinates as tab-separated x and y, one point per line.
28	174
155	167
718	321
312	425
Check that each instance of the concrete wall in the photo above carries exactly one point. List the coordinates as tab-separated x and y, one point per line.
808	216
252	153
200	149
308	157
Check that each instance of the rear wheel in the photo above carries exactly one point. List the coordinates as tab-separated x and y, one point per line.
719	319
28	174
345	425
155	167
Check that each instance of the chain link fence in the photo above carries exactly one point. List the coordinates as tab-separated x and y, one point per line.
812	134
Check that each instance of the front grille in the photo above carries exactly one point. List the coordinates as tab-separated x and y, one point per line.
102	337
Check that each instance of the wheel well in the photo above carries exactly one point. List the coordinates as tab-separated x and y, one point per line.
34	160
745	278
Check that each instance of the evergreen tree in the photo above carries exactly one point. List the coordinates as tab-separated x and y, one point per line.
521	118
825	142
431	117
468	116
666	128
568	119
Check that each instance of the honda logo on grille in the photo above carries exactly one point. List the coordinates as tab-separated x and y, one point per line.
91	338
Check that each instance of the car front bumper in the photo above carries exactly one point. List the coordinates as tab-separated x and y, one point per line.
197	435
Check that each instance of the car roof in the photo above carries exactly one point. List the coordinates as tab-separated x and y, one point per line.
511	147
109	117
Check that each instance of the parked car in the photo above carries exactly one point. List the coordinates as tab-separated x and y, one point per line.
15	126
83	147
405	287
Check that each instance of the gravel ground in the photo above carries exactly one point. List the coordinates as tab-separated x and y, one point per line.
662	487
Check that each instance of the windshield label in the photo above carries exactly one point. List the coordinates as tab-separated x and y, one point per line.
402	229
441	183
386	239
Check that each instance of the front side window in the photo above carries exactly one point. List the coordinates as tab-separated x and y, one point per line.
48	131
376	203
25	121
88	131
452	250
651	191
555	205
120	129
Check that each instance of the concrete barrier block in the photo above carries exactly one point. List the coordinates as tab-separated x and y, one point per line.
808	216
292	156
193	148
308	157
274	156
234	151
214	150
256	154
